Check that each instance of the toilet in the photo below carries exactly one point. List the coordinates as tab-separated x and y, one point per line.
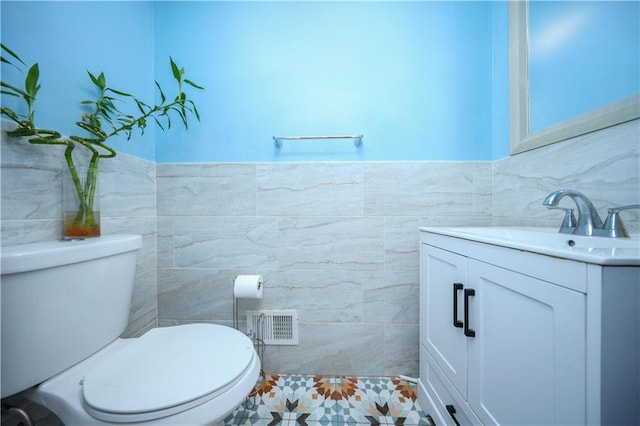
64	306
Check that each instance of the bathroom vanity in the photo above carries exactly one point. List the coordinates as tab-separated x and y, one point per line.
528	326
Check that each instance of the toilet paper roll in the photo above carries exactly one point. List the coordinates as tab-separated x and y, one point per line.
248	287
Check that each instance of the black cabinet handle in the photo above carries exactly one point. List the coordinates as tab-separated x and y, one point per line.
456	288
452	412
468	292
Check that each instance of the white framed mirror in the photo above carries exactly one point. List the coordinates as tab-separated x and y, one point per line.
521	136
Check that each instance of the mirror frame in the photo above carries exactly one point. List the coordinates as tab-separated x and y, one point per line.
520	139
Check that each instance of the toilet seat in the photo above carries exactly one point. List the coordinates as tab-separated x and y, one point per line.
156	376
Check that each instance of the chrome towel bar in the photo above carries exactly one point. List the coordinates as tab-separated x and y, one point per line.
357	139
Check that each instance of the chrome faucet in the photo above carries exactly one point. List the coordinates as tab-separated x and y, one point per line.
613	225
569	221
589	221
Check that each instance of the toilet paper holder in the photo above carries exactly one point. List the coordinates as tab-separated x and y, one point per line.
243	284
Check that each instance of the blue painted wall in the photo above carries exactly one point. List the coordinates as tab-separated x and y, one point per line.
421	80
414	78
67	39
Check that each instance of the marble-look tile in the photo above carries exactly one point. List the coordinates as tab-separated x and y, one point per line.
19	152
225	242
391	297
167	322
144	226
148	327
401	237
603	165
331	243
309	189
195	294
143	311
339	349
14	232
317	295
206	294
418	189
483	189
206	189
401	349
127	186
165	242
31	193
32	176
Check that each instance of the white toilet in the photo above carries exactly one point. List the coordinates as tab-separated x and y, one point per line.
64	306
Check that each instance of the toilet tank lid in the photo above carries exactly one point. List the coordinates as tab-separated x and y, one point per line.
48	254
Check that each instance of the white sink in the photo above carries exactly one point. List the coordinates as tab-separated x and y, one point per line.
598	250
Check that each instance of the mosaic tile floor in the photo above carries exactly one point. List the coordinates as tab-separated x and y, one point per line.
299	400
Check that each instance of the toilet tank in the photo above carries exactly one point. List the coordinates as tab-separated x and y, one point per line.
62	301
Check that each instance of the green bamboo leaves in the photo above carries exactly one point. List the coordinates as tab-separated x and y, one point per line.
10	53
182	105
104	119
31	88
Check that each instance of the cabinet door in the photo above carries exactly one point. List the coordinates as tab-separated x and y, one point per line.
447	344
526	361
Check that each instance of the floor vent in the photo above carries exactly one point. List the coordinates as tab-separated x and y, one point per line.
273	327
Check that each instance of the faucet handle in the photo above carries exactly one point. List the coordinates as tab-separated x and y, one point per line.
568	222
613	225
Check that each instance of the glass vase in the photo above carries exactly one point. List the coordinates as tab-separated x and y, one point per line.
81	204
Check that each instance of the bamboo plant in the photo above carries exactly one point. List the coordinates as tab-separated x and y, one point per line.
103	121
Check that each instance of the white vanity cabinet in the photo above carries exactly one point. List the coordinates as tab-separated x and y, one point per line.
513	337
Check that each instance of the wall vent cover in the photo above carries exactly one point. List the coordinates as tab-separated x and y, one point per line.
274	327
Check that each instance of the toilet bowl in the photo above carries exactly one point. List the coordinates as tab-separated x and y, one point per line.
183	375
62	313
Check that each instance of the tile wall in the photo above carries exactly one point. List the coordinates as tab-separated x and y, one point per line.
604	165
336	241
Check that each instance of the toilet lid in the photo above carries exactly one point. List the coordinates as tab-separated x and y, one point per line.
165	369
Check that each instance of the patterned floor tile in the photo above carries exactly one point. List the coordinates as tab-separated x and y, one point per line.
300	400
